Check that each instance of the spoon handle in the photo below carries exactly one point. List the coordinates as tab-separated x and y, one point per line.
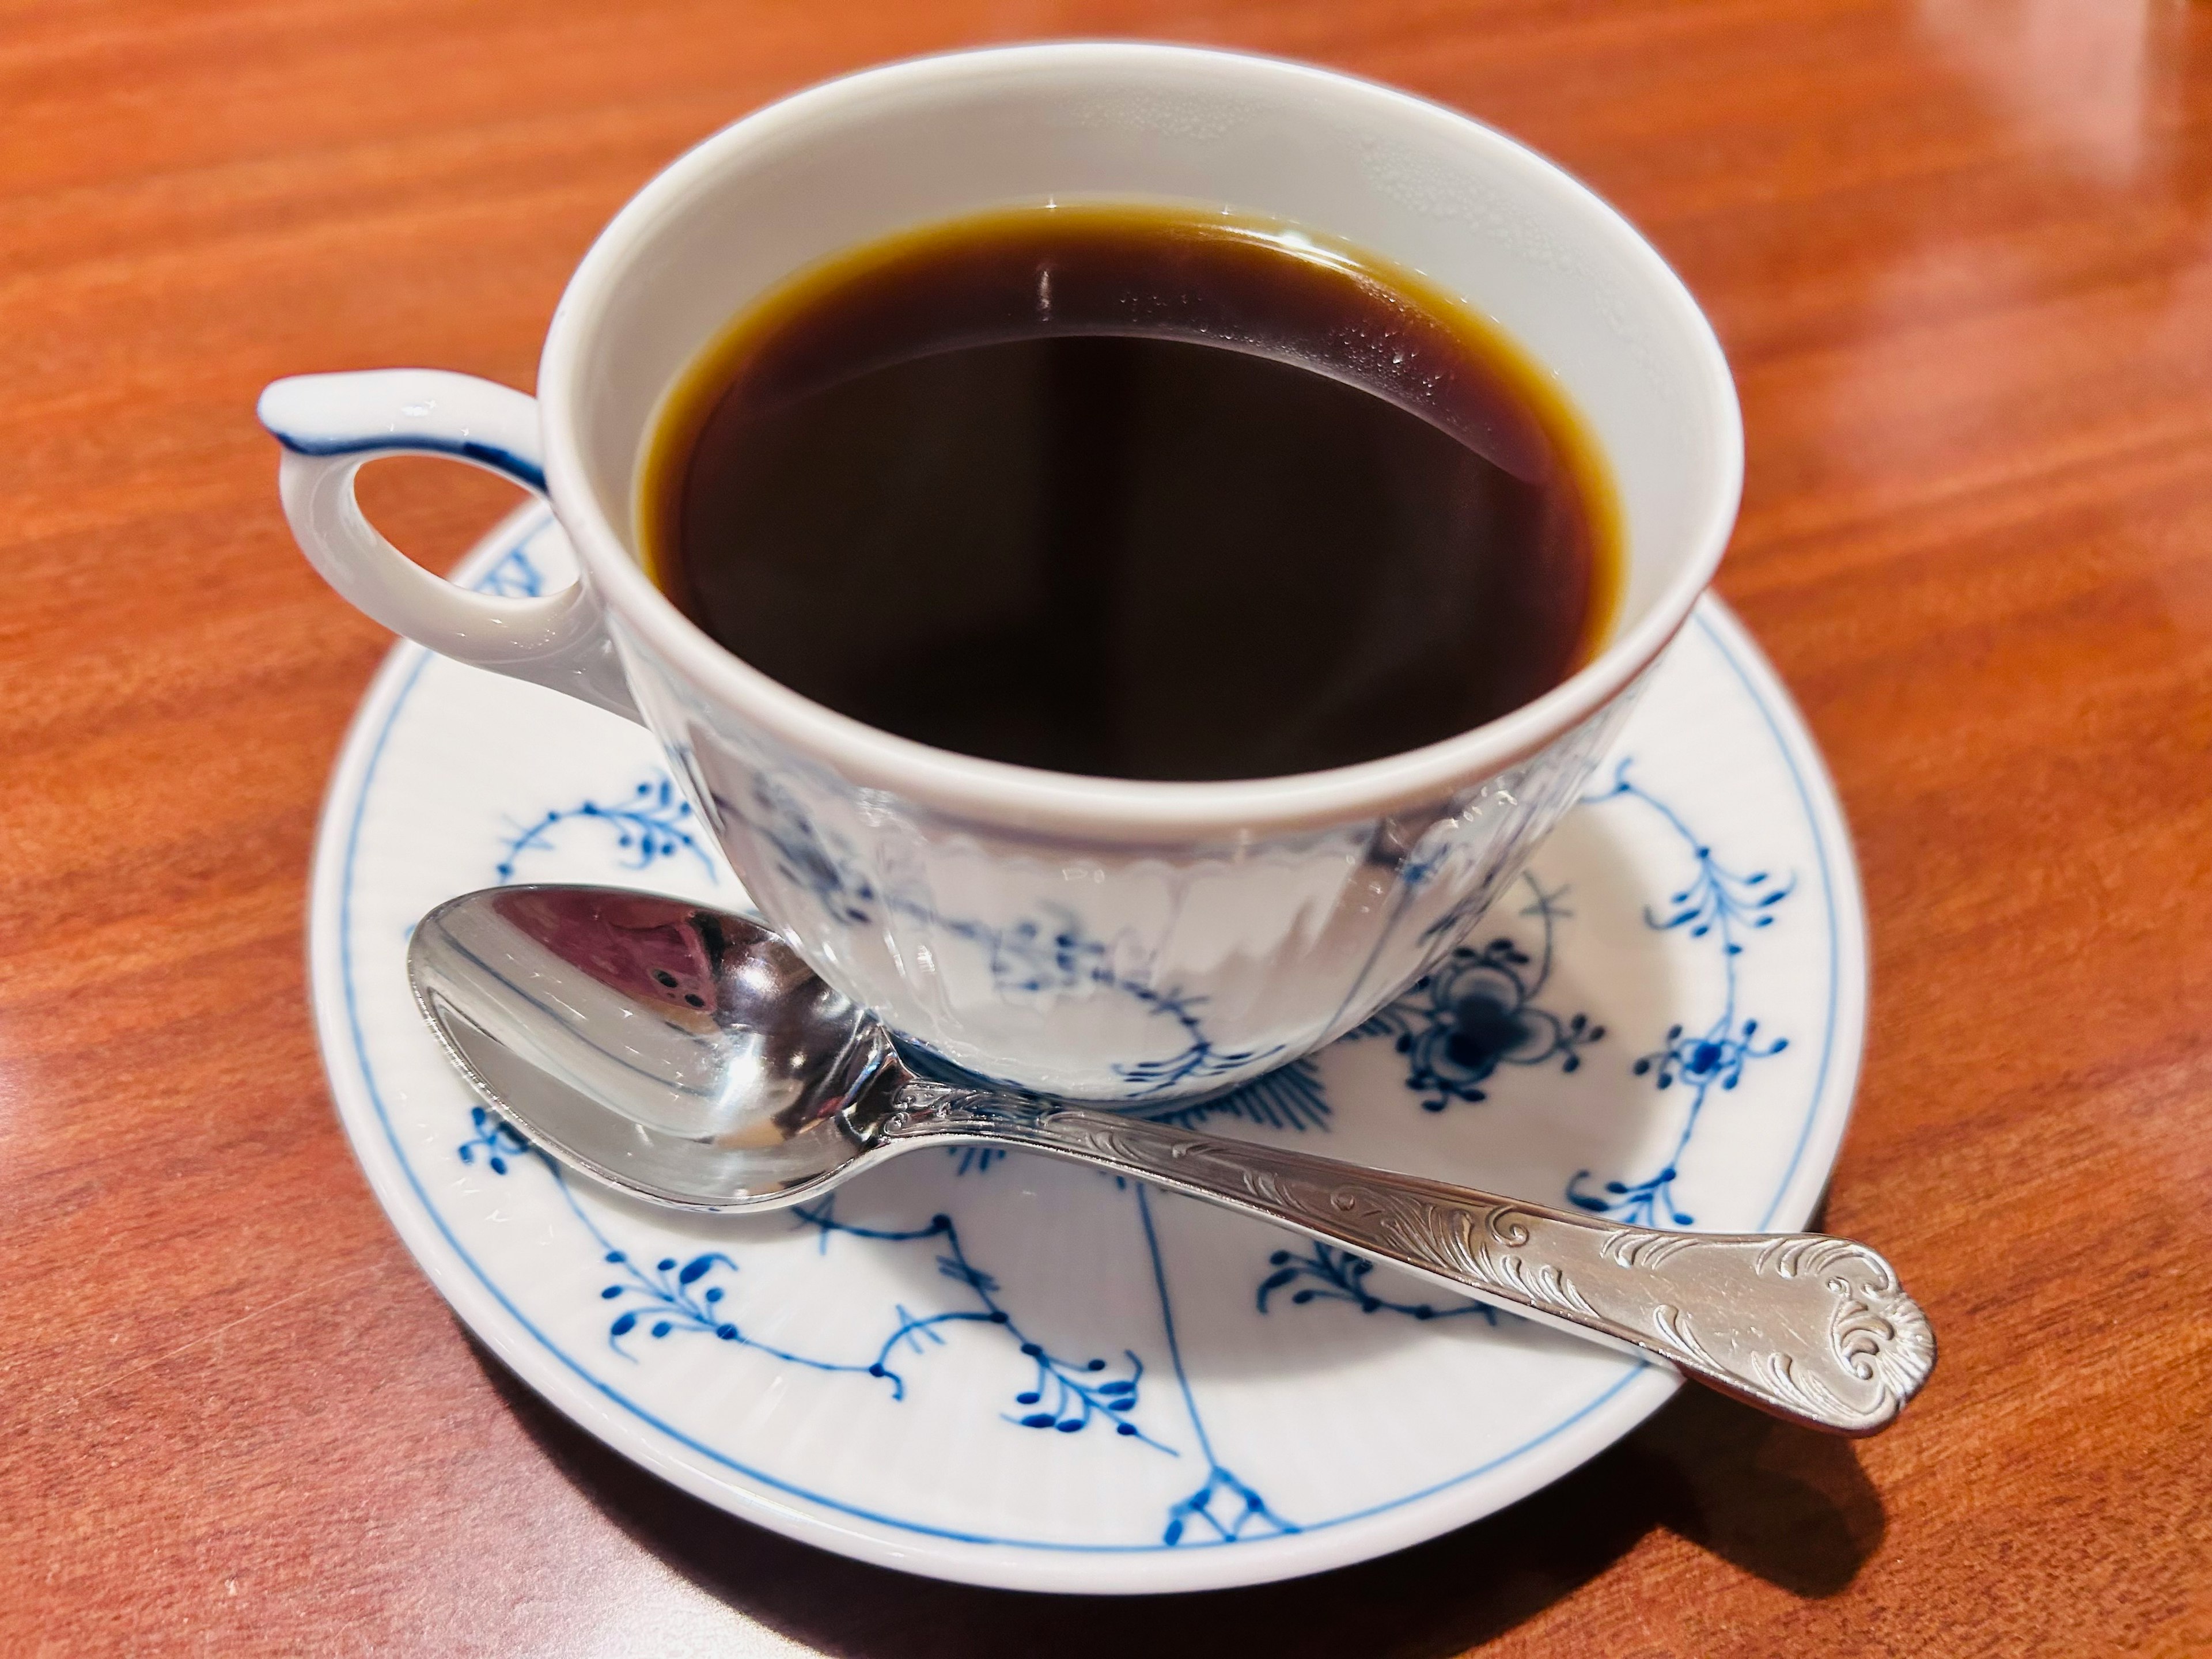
1809	1328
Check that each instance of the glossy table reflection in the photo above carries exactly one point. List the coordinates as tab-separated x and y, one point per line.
1961	252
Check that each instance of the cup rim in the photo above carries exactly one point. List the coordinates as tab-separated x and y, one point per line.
1121	810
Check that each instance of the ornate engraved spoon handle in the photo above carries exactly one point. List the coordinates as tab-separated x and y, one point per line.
1805	1326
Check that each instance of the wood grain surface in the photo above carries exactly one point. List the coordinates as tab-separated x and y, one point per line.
1960	254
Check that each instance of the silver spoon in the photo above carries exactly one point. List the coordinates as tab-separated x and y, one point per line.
688	1056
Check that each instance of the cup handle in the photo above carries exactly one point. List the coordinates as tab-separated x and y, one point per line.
331	424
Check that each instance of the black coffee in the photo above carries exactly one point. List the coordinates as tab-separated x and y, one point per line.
1133	491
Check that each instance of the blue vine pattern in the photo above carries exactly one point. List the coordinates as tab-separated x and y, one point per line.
1246	1513
653	822
1337	1275
1249	1515
1038	954
514	577
1724	905
1478	1010
1289	1097
668	1296
1064	1395
649	825
673	1296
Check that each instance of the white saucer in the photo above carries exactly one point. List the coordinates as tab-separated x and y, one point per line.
1019	1373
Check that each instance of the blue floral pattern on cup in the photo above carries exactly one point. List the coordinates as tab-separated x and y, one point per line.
1048	953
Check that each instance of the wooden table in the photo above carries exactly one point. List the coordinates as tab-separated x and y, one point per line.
1960	253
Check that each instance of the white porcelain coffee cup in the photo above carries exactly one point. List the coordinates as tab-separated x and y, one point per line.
1094	938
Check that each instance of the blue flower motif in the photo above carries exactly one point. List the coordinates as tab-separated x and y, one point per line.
1726	907
1479	1012
653	822
1701	1060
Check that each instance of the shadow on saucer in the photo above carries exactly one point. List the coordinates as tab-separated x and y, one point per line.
1787	1505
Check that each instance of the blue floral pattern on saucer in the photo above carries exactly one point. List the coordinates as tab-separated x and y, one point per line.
1011	1371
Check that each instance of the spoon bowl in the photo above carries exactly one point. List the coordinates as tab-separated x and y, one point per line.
683	1054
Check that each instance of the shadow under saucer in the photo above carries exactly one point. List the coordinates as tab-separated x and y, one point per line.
1787	1505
